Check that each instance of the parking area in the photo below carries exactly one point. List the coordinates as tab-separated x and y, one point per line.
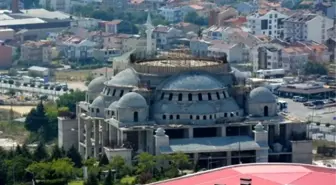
298	110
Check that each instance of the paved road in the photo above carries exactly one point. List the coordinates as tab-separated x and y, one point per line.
297	109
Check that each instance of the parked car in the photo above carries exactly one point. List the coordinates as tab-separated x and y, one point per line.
308	104
299	99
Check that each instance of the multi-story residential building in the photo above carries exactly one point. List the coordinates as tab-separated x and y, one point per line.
57	5
268	23
5	55
294	58
235	53
171	13
266	56
36	52
76	48
165	36
199	47
307	27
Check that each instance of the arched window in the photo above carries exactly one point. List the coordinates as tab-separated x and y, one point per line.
197	117
215	116
231	114
218	97
162	96
171	117
92	109
204	117
209	96
177	116
191	117
200	98
266	111
237	113
108	112
121	93
108	91
97	110
112	113
180	97
135	116
190	97
114	91
170	96
225	114
210	117
163	116
224	94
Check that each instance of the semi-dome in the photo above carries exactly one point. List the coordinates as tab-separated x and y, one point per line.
125	78
261	95
192	82
98	102
97	84
113	105
132	100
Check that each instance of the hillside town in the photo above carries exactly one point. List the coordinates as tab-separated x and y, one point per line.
167	92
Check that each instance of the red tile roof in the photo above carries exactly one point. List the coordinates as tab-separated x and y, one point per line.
260	174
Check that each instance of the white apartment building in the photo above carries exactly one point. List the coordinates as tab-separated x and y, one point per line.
266	56
76	48
56	5
171	14
307	27
270	24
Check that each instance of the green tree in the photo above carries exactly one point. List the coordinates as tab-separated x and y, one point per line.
146	163
315	68
36	118
70	99
18	150
180	160
40	153
16	168
128	180
103	160
25	151
108	179
56	153
92	179
3	172
75	157
193	17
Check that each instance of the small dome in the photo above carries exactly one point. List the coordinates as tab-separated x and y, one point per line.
160	132
133	100
98	102
113	105
261	95
259	127
192	81
125	78
97	84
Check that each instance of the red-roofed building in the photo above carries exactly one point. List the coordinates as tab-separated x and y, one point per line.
260	174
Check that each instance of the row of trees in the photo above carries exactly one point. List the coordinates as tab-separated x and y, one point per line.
58	167
42	120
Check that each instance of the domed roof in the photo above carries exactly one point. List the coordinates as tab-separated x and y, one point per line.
187	108
261	95
126	77
133	100
98	102
97	84
113	105
192	82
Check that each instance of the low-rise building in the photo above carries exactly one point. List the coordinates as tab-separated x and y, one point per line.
6	34
165	36
76	48
171	13
5	55
36	52
38	71
235	53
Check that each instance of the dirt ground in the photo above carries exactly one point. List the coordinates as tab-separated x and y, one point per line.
73	75
77	85
19	109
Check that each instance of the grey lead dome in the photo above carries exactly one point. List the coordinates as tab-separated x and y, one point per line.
132	100
98	102
97	84
261	95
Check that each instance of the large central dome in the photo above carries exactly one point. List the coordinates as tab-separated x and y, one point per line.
195	81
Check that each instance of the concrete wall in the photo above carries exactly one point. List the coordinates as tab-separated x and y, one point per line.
5	56
257	109
67	133
302	151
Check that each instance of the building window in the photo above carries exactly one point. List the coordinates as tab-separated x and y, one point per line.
200	97
180	97
114	91
97	110
190	97
92	109
275	15
108	91
270	16
204	117
237	113
210	117
197	117
163	116
121	93
108	112
177	116
170	96
218	97
112	113
135	116
171	117
209	96
224	94
191	117
162	96
225	115
231	114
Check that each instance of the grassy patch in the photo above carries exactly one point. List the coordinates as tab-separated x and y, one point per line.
76	183
78	75
15	131
317	143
